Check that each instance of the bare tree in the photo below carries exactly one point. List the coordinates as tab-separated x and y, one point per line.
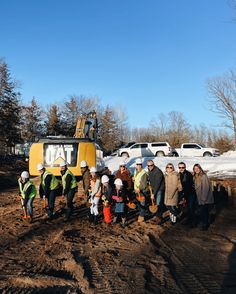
222	91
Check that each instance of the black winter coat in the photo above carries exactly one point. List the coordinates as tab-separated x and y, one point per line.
157	180
186	179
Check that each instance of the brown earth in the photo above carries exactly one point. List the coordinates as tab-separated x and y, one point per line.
78	257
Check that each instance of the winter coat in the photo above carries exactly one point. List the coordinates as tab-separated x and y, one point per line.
95	188
187	183
86	181
157	180
203	189
172	188
126	178
119	196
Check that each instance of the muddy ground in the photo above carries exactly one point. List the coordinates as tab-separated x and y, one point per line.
78	257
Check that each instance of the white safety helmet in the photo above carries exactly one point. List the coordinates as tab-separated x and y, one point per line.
24	175
93	169
118	182
139	161
83	163
63	163
123	163
105	179
40	166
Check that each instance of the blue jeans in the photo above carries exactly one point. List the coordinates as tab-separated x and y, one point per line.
173	210
204	215
142	205
28	204
159	200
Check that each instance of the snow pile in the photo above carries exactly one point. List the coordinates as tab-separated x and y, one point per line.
230	153
220	167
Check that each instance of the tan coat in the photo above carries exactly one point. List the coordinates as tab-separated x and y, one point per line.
203	189
173	186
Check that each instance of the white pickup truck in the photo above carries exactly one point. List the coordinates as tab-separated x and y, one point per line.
194	149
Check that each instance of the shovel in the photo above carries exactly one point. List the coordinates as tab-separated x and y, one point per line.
152	208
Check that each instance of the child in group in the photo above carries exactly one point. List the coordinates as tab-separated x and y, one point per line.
119	196
94	195
106	199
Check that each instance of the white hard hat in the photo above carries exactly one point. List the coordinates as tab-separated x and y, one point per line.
63	163
93	169
139	161
83	163
105	179
40	166
118	182
24	175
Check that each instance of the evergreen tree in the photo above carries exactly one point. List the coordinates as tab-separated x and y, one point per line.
53	122
108	131
32	121
9	108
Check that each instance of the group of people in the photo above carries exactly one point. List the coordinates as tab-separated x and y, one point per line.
168	191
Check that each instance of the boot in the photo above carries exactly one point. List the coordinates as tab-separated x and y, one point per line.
114	220
171	216
140	219
173	219
123	224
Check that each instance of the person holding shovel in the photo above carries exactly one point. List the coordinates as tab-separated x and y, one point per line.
140	179
27	192
69	185
157	189
49	188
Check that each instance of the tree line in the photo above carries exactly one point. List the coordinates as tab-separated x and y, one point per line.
20	122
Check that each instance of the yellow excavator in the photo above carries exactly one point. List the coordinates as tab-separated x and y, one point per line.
51	151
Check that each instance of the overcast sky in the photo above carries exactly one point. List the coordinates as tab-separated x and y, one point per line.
149	56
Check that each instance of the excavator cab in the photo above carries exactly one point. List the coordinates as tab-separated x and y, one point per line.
87	126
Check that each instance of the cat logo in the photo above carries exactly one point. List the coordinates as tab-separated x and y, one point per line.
54	154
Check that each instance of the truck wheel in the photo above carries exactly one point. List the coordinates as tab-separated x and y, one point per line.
207	154
175	154
125	155
160	154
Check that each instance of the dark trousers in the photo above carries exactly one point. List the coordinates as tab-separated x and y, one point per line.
70	197
173	210
159	200
191	201
204	215
51	200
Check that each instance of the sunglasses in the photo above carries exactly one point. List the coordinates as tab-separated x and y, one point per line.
150	165
122	165
170	167
181	167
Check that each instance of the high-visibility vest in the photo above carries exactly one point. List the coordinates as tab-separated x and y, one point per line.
54	181
73	183
24	188
137	178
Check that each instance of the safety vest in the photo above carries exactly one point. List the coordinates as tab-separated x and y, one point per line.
54	181
24	188
137	178
73	183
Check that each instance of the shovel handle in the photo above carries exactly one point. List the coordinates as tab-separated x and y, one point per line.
153	202
139	196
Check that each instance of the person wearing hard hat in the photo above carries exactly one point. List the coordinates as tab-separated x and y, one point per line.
69	185
86	178
94	195
106	198
140	179
119	196
27	192
124	174
49	188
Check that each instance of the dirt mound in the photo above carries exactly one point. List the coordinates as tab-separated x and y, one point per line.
78	257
